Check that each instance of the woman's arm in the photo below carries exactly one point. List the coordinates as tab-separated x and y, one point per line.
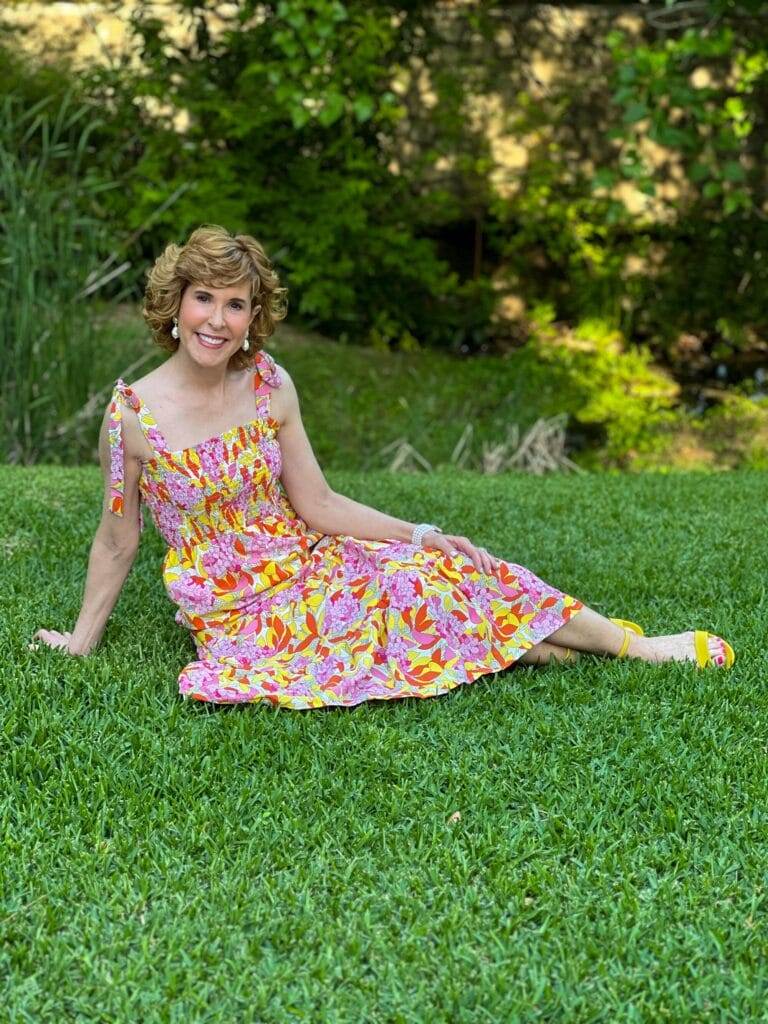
339	514
324	510
308	491
113	550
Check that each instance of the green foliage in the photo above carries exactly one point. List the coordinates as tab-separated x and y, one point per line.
701	95
708	125
711	283
731	434
295	125
308	77
737	429
290	117
561	244
32	82
602	382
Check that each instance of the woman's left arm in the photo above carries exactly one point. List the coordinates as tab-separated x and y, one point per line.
324	510
339	514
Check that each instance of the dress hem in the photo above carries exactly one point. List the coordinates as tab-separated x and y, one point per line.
472	677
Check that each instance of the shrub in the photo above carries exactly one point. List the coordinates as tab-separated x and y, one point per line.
604	384
730	435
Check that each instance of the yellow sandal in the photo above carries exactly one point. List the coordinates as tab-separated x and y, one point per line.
703	658
630	625
633	627
628	634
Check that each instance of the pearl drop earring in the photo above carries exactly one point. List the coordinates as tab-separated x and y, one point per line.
175	329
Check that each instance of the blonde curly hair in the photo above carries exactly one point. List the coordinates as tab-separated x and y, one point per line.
214	257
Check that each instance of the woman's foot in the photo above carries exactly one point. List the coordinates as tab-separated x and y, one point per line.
675	647
590	631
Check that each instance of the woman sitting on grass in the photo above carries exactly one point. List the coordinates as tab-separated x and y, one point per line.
296	594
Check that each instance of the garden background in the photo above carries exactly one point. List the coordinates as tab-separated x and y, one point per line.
544	209
526	248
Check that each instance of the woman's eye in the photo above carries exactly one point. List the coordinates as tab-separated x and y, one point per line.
235	305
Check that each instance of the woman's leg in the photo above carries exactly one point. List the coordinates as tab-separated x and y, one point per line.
590	631
544	652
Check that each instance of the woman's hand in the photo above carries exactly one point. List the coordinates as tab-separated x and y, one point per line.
451	545
53	638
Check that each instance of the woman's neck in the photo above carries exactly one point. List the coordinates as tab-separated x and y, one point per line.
210	383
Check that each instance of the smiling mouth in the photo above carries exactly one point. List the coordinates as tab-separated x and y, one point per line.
210	341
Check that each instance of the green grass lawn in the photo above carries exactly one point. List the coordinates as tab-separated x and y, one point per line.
585	843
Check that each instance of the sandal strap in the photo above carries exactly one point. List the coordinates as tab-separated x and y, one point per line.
625	645
630	625
703	657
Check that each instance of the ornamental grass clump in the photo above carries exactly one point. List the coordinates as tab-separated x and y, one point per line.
50	238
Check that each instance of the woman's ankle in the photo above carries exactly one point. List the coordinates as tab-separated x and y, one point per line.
639	647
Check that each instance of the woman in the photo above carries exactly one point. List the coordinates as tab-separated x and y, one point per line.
295	594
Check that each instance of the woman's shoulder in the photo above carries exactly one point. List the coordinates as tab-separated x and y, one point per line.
150	384
137	396
123	430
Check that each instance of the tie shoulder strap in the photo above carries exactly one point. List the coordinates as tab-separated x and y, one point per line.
267	375
121	394
116	449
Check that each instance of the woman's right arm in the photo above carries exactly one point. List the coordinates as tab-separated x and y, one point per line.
113	550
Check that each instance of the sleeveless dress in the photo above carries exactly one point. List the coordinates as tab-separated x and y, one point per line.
282	613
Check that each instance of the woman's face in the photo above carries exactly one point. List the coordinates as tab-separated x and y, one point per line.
214	321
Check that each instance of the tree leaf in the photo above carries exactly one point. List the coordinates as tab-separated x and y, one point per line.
299	116
332	109
604	178
363	107
635	112
733	171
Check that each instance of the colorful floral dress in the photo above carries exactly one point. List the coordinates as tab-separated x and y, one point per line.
283	613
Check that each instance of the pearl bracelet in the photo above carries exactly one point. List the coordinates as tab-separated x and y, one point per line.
421	530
